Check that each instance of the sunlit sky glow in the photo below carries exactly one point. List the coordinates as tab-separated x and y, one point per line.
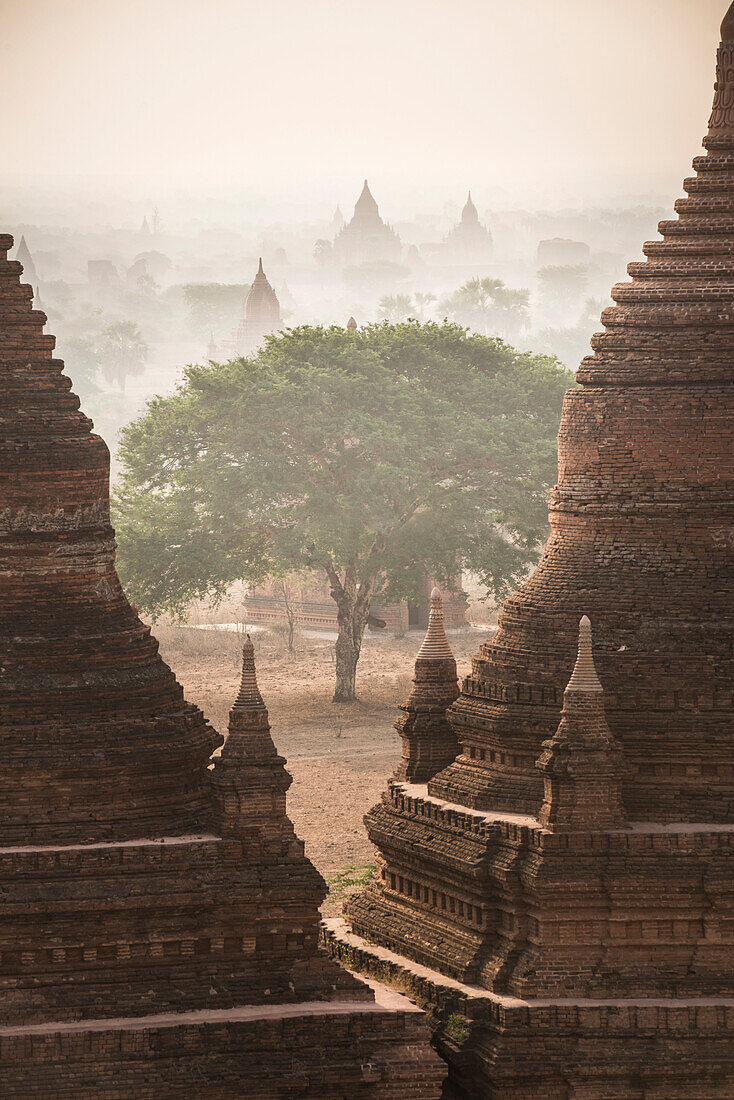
555	102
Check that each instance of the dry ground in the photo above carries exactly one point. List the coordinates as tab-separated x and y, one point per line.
339	755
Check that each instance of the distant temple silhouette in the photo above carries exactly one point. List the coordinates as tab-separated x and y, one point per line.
470	240
260	315
23	256
260	318
366	238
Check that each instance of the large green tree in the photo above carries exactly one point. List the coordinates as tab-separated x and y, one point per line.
374	456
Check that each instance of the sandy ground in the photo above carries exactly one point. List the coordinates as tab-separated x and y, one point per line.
339	755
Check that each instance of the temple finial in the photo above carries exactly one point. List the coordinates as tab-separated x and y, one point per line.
584	676
727	27
249	695
435	644
260	267
351	324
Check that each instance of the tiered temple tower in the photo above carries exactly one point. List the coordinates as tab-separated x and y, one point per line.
366	238
469	241
158	917
572	868
260	315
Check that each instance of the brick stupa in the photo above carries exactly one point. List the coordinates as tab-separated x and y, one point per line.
571	870
158	917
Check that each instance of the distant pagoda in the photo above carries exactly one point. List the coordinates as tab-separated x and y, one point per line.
158	917
23	256
571	869
469	241
260	315
366	238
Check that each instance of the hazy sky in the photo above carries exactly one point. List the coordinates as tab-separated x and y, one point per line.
541	101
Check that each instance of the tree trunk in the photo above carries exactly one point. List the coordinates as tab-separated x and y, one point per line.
290	616
346	668
353	608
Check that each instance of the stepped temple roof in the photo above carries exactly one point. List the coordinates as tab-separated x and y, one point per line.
641	522
159	920
83	691
564	884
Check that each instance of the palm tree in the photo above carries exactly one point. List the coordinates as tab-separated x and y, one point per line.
423	302
396	308
122	352
489	307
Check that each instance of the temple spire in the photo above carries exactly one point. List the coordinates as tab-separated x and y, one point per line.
429	742
727	27
366	204
582	763
584	677
435	644
249	776
721	123
249	694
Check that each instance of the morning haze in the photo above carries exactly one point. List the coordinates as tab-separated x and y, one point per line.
367	407
539	102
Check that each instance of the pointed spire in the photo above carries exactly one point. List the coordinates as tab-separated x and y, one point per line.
582	764
249	776
24	257
351	325
470	214
721	123
727	27
584	676
435	644
429	743
260	267
366	204
249	696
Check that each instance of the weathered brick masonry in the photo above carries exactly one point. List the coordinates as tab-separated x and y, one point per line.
565	884
158	917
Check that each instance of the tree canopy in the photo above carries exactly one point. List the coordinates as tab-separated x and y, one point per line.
375	456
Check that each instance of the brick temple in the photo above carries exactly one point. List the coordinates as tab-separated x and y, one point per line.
158	917
561	894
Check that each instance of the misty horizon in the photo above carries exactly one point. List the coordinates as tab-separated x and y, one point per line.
217	109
